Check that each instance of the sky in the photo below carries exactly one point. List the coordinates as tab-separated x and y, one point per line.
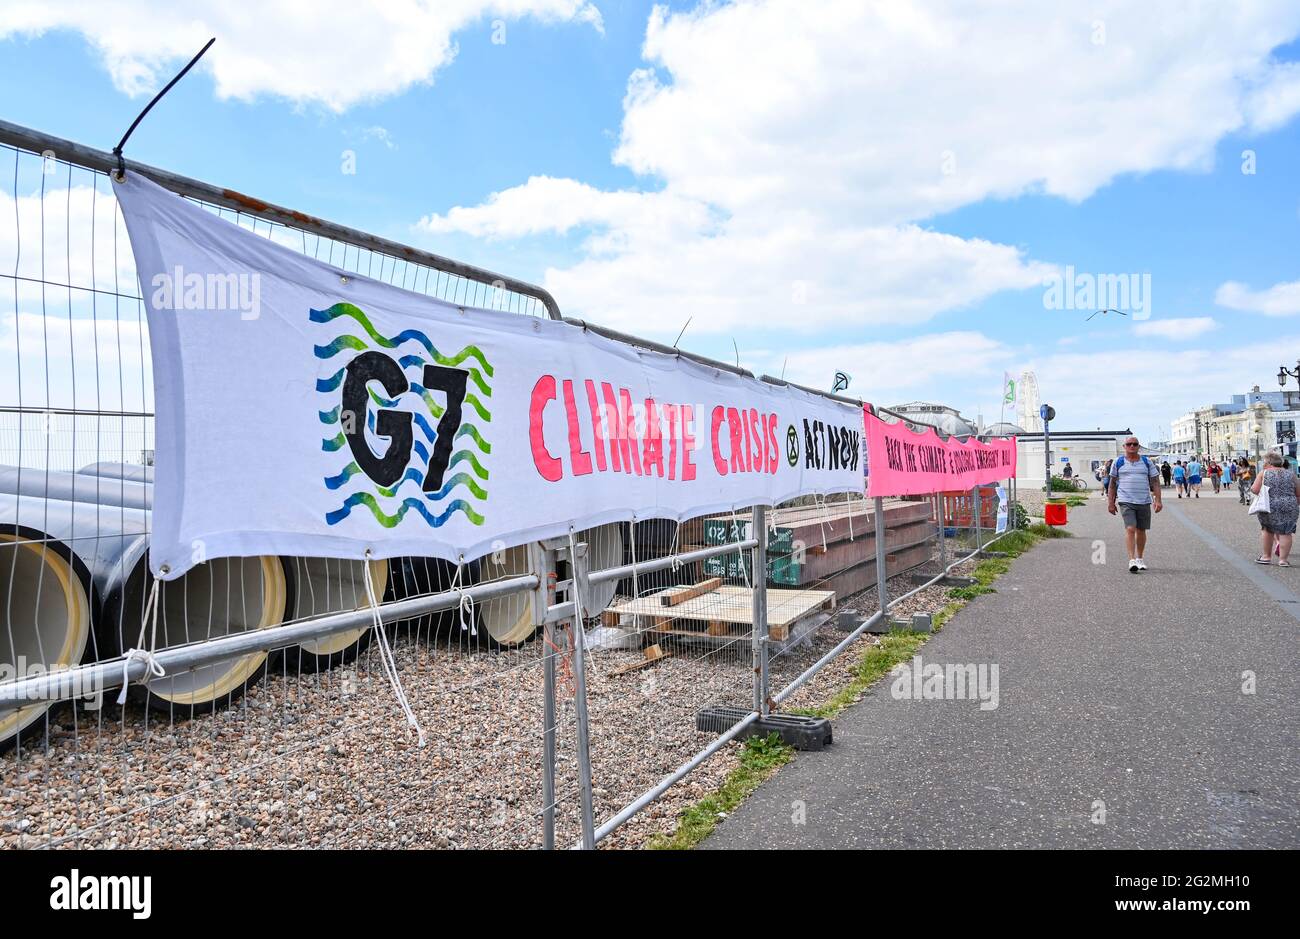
922	195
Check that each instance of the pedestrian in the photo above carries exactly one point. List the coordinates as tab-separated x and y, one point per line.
1244	477
1278	523
1180	477
1134	490
1105	477
1068	472
1165	472
1194	476
1229	472
1215	472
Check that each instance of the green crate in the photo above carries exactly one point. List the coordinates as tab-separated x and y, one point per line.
782	569
725	531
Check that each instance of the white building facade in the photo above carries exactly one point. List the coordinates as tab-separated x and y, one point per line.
1086	452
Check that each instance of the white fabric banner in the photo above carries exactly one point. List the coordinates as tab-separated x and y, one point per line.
302	410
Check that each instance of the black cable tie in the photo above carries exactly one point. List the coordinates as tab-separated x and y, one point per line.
117	151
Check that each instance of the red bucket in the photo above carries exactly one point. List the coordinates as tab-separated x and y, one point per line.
1054	513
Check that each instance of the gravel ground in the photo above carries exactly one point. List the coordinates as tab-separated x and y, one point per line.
327	760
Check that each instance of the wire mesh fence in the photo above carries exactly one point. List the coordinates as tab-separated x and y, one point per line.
215	754
474	715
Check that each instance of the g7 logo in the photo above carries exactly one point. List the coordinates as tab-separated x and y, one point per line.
396	425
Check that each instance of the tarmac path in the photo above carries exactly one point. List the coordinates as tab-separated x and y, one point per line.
1126	714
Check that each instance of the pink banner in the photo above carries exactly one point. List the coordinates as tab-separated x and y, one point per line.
903	463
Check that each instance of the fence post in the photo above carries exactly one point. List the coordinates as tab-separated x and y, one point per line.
759	630
975	501
882	578
578	591
542	563
943	544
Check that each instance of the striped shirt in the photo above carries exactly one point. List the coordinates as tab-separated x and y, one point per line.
1133	480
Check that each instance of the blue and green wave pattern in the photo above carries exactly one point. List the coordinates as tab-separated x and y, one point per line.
463	489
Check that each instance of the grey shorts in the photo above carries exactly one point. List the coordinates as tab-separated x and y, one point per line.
1136	514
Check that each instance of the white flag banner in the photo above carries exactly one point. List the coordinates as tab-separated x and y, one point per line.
303	410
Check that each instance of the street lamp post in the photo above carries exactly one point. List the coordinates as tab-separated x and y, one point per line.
1283	372
1255	429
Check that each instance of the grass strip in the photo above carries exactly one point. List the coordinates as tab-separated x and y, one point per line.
760	757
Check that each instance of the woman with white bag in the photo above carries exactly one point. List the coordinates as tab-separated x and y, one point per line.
1277	503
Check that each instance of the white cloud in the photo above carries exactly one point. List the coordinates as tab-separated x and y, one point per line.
556	206
336	53
1276	99
381	134
868	98
66	236
1145	388
790	149
894	372
76	360
1139	387
1279	300
802	276
1175	329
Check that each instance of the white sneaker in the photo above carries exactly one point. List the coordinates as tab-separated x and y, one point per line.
1132	565
1142	565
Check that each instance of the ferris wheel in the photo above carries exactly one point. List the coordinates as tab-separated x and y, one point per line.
1027	403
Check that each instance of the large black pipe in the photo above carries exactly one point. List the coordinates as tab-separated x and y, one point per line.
211	600
47	594
331	585
325	586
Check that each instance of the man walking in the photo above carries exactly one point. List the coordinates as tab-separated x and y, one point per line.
1135	488
1180	477
1165	471
1194	476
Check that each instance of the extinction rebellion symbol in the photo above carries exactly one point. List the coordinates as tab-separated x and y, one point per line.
792	446
402	428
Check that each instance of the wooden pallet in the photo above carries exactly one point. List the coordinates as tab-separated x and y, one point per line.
725	612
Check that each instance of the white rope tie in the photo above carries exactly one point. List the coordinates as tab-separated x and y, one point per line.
672	549
631	530
850	514
825	514
386	654
153	669
740	555
577	635
466	601
573	574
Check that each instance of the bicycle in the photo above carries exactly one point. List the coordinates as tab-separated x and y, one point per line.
1078	484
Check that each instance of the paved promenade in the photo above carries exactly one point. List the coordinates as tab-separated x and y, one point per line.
1117	691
